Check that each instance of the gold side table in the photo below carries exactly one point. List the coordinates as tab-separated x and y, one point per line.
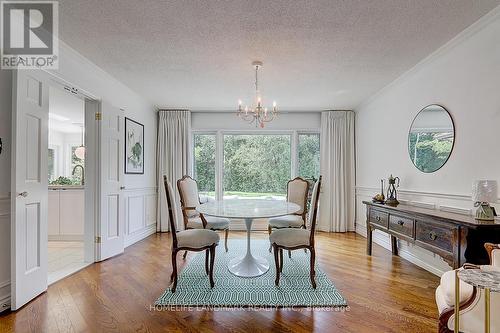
482	279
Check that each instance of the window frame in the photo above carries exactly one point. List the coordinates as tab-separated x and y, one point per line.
219	149
57	161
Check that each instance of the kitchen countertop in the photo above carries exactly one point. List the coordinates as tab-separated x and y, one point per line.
66	187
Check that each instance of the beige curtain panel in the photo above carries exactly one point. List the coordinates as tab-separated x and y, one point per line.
173	158
337	206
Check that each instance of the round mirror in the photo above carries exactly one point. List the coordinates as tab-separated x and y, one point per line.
431	138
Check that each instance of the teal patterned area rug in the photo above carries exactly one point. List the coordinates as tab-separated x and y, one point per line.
295	289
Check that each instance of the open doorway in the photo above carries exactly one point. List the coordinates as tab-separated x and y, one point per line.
66	190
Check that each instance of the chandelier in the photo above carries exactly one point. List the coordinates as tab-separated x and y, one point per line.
256	113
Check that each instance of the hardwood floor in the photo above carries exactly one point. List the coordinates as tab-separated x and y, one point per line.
385	294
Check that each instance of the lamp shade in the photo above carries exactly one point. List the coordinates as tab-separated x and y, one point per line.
80	152
485	191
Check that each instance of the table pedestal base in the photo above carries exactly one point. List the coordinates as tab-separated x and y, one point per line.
248	265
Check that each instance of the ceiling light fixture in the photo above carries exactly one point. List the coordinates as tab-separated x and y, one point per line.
80	151
256	112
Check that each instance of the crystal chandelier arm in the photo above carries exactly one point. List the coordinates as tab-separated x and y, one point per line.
257	113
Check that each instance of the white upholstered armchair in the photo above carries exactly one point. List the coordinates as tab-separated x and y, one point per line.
471	300
190	198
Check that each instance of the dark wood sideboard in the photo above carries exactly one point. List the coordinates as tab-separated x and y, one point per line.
455	237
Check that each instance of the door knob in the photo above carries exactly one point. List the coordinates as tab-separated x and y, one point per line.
122	187
23	194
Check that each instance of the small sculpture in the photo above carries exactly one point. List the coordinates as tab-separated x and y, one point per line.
392	196
379	197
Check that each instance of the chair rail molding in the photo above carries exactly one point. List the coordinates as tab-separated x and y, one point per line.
373	190
4	205
454	203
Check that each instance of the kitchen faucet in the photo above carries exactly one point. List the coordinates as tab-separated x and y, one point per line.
83	172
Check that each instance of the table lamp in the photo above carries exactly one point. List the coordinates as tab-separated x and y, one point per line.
484	192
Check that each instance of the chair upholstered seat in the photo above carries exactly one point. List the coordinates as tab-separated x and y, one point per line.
213	223
197	238
290	237
287	221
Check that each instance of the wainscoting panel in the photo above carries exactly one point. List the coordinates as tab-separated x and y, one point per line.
460	204
135	213
150	209
140	214
4	253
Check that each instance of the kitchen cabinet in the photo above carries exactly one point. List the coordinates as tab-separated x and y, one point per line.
66	213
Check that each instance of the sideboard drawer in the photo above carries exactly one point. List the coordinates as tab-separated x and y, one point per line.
401	225
437	235
379	218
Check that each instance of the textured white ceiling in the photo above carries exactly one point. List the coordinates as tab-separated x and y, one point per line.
317	54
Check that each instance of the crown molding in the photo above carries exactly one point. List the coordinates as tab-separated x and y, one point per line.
468	32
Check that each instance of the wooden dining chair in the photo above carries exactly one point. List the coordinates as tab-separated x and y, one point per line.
294	239
190	198
189	240
297	192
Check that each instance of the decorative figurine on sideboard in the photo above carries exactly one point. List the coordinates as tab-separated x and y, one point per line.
392	195
379	197
483	193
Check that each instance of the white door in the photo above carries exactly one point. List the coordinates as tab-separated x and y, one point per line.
111	227
29	186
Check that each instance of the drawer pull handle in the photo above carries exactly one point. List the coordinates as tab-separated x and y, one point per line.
401	222
377	218
432	235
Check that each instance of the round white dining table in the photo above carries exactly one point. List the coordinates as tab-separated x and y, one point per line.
249	210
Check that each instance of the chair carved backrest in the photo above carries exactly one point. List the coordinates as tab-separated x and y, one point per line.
494	253
172	212
297	191
188	193
313	213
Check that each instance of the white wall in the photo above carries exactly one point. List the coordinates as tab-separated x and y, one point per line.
86	76
229	121
464	77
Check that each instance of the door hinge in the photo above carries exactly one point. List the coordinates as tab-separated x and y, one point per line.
98	116
98	239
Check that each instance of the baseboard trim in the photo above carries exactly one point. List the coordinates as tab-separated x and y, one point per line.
140	235
5	295
384	241
4	303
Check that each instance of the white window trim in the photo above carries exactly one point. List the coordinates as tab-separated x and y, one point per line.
57	159
219	149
